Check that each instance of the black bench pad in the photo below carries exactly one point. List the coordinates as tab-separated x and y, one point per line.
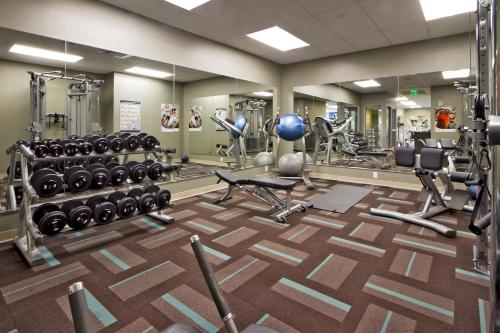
230	178
276	183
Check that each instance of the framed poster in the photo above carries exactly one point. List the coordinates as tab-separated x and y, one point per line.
169	118
444	119
130	116
195	119
220	113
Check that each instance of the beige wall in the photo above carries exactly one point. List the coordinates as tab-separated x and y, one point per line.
331	92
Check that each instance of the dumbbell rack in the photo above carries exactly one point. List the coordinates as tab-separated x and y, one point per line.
29	237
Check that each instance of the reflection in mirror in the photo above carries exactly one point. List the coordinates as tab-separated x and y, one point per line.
358	124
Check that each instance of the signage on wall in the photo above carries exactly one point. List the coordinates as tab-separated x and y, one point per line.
195	119
130	116
169	118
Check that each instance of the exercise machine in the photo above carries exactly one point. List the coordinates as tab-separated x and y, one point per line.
81	315
261	189
326	134
237	129
254	112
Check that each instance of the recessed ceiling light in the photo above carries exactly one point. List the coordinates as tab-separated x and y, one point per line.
42	53
278	38
263	93
401	98
408	103
367	83
416	106
460	73
187	4
148	72
435	9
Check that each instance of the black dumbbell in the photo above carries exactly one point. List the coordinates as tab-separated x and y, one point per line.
100	144
17	170
44	165
22	142
116	144
85	148
103	211
101	176
70	149
145	201
136	171
153	169
125	206
97	160
148	142
73	137
55	149
46	183
77	178
132	142
119	173
49	219
162	197
39	149
78	216
18	193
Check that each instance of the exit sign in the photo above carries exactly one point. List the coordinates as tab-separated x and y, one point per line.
413	92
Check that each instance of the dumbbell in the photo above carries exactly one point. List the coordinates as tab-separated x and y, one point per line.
55	149
73	137
162	197
101	176
49	219
84	148
145	201
153	169
125	206
17	170
103	211
97	160
132	142
39	149
44	165
116	144
18	194
46	183
70	148
148	142
119	173
77	178
78	216
100	144
136	171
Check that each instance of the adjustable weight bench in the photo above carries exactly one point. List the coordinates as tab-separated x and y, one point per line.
261	189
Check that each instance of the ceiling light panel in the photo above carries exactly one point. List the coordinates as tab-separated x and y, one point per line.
148	72
408	103
401	98
187	4
459	73
436	9
278	38
367	83
43	53
263	93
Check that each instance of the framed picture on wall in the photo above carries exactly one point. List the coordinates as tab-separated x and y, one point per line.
195	119
169	118
130	116
444	119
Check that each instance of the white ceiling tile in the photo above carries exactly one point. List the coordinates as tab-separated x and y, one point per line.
306	53
407	33
275	12
451	25
310	30
334	47
371	40
348	21
320	6
391	13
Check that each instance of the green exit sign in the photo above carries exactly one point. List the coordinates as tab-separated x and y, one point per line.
413	92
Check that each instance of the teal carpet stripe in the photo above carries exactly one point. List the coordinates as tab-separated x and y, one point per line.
386	322
228	234
139	274
96	307
482	316
216	253
202	226
190	313
238	271
410	264
115	260
410	299
262	319
149	329
48	256
357	228
368	247
438	249
472	274
152	224
320	266
300	232
278	253
164	237
315	294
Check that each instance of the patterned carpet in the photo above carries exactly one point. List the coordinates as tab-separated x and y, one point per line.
321	272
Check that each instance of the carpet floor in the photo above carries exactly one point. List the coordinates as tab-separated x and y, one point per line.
320	272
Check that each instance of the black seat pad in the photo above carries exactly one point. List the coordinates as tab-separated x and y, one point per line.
230	178
276	183
461	177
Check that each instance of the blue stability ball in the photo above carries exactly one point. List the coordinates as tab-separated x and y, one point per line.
291	127
184	158
239	122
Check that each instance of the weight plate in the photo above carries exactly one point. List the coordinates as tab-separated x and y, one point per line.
41	151
52	223
146	203
155	171
149	142
100	145
163	198
153	189
116	196
79	180
73	137
56	150
46	183
85	148
42	211
18	192
124	135
94	201
79	217
135	193
119	174
132	143
126	208
70	170
116	144
70	149
104	213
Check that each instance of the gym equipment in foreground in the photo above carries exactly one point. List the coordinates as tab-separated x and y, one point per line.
292	127
81	316
260	188
431	162
238	131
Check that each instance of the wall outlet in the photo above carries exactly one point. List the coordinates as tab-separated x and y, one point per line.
375	174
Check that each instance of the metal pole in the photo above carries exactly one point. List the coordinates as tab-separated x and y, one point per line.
79	309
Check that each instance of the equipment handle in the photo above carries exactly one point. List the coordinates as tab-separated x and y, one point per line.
478	226
79	309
